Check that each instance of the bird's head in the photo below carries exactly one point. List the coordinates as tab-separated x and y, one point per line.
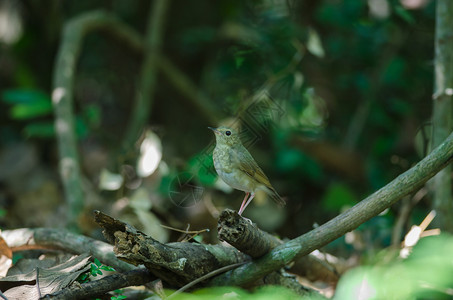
226	136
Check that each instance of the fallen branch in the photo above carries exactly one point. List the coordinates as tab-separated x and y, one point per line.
61	239
409	181
180	264
175	263
104	285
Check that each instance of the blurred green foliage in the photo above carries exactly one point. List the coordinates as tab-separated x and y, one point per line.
27	104
34	108
338	197
425	274
263	293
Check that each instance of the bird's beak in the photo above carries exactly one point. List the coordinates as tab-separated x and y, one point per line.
215	130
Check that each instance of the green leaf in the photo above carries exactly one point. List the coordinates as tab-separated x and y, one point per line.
198	238
27	104
107	268
45	129
97	262
93	269
83	277
25	97
31	110
404	14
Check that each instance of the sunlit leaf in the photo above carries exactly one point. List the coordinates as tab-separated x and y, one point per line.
314	44
110	181
150	155
30	110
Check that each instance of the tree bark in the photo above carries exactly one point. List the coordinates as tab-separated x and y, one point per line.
61	239
176	263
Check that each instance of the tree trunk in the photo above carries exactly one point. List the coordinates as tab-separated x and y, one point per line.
441	184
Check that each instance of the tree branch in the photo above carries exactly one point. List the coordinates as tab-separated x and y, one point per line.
62	98
148	79
280	256
251	240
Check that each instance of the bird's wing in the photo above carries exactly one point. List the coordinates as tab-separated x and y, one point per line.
249	166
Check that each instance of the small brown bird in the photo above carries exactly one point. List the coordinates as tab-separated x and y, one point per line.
238	169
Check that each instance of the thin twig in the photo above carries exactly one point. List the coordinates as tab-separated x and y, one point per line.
186	231
204	277
3	296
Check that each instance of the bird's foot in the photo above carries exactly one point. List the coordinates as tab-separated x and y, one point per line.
248	220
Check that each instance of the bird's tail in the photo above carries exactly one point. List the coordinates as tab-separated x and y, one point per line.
275	196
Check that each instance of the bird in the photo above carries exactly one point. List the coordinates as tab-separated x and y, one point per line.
237	168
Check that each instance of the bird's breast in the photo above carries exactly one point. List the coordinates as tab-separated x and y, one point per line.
229	172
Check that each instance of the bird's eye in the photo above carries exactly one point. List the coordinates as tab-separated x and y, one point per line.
228	133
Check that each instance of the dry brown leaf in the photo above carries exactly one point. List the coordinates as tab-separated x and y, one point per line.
42	281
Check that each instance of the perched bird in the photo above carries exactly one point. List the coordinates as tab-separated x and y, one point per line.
238	169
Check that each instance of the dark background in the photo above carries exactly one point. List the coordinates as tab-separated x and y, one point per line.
349	87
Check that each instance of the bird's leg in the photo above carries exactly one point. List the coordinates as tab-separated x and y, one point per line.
243	202
248	202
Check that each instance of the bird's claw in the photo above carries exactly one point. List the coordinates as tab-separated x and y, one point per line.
248	220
